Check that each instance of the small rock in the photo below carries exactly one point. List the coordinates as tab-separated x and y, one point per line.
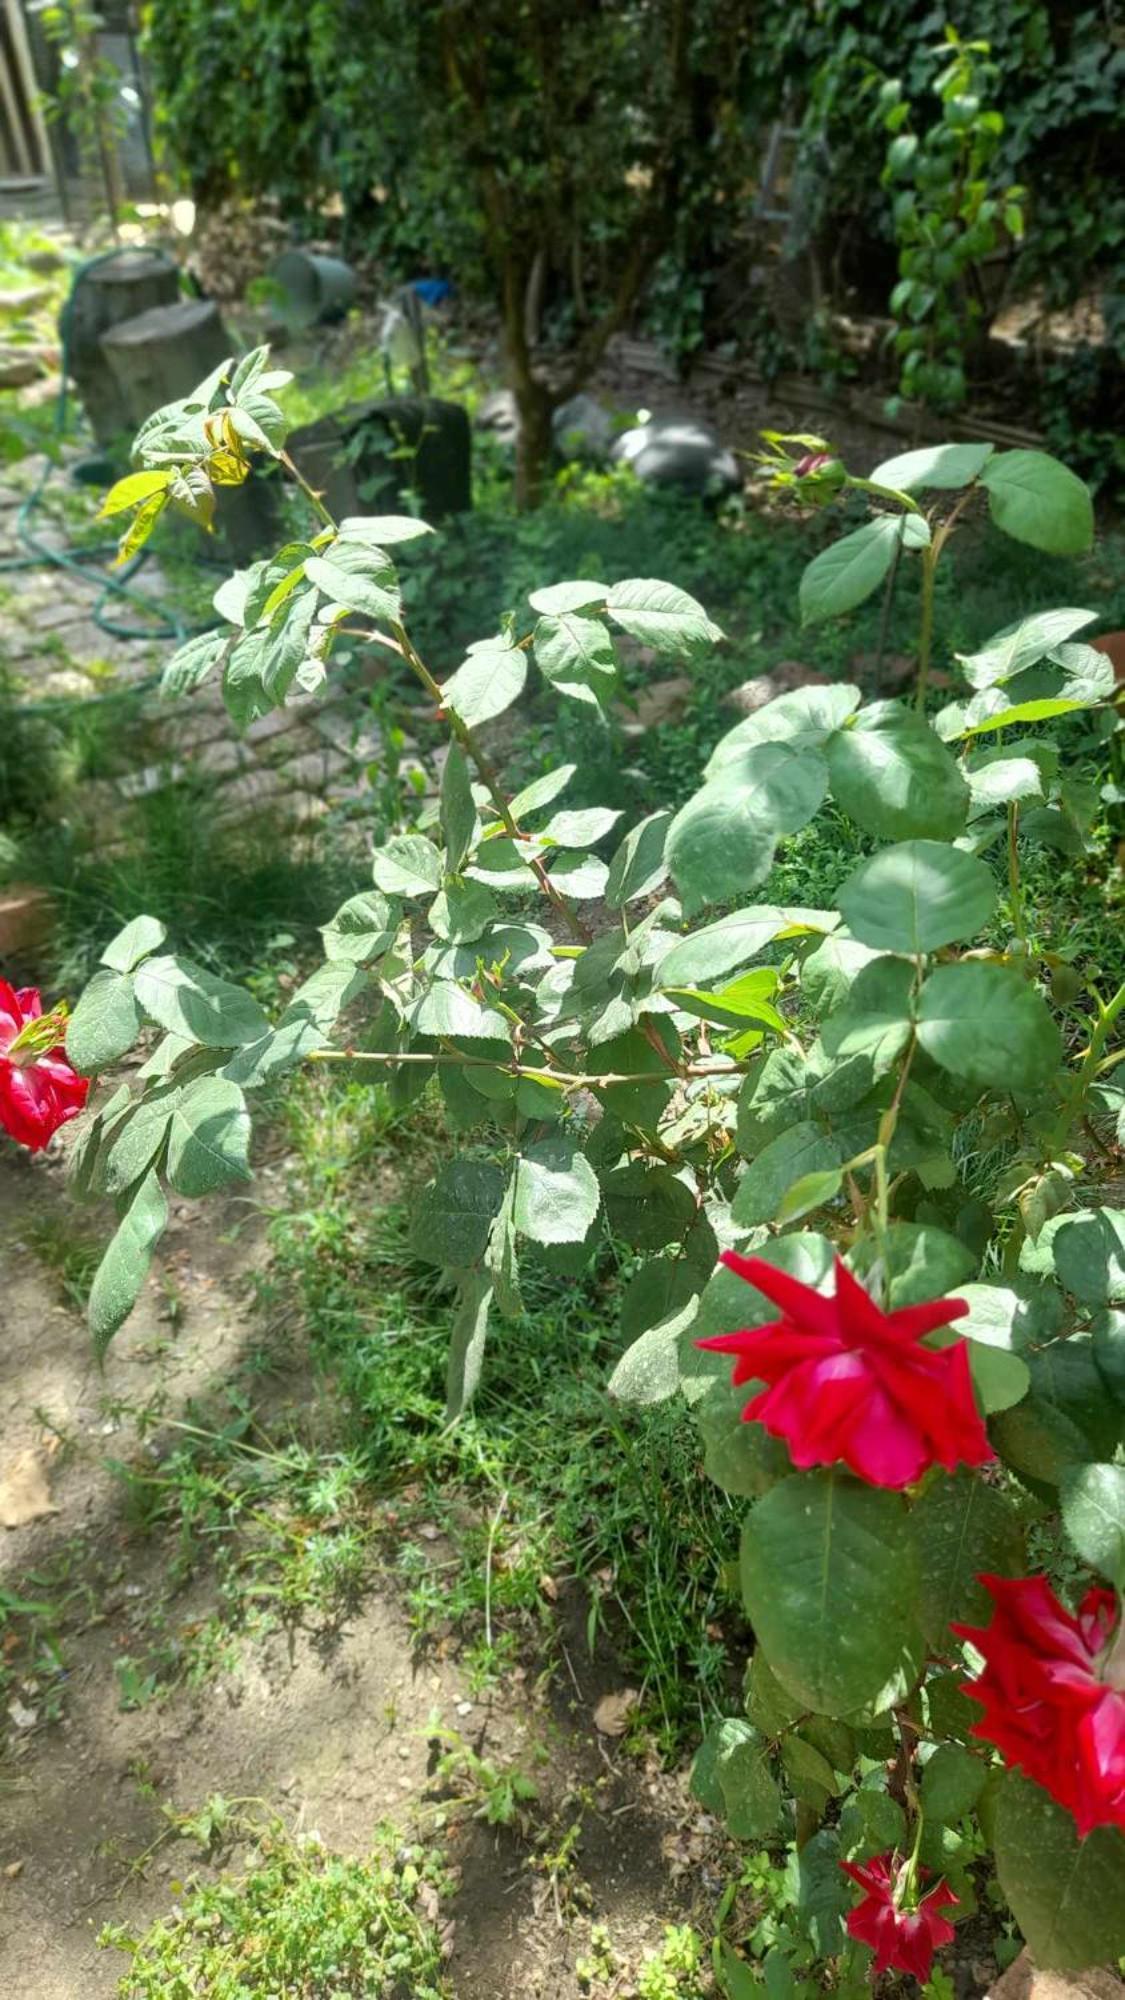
24	1493
679	451
611	1716
782	679
22	1717
659	702
464	1708
583	429
1024	1981
13	1869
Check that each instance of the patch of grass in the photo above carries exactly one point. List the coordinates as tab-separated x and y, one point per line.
545	1488
68	1252
301	1921
240	900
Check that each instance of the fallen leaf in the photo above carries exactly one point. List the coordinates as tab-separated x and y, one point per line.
24	1493
611	1716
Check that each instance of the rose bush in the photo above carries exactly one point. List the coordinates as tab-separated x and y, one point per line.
895	1111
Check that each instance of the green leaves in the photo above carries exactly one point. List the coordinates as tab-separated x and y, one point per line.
188	1001
1093	1513
802	1150
208	1137
407	865
1089	1256
986	1023
830	1580
576	655
639	864
892	774
556	1192
1021	646
916	897
361	928
451	1223
358	576
491	679
732	941
459	824
722	841
661	616
1067	1895
104	1024
941	467
961	1527
468	1335
846	572
124	1267
731	1778
1036	500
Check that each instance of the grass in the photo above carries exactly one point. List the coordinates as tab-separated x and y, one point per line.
300	1921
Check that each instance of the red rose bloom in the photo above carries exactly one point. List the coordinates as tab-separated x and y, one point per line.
903	1937
39	1091
1053	1693
847	1381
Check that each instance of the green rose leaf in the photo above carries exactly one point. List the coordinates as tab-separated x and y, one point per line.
892	774
876	1018
362	927
557	1193
649	1371
192	662
407	865
1093	1513
661	616
731	941
986	1023
1089	1256
124	1267
358	576
804	1149
846	572
961	1527
459	825
486	684
952	1782
186	1000
1067	1895
576	655
558	597
466	1343
722	841
209	1137
105	1023
740	1456
639	866
138	940
917	896
1108	1344
804	719
942	467
648	1205
1021	645
452	1220
731	1778
1036	500
830	1580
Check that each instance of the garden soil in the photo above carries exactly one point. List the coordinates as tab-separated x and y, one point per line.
328	1731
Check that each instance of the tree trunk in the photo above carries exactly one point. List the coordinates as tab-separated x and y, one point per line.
534	404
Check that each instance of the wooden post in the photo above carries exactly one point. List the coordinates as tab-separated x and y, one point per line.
114	290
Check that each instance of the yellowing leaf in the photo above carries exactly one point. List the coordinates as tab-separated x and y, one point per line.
140	527
130	491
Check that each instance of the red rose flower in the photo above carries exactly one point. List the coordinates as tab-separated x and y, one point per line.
812	462
847	1381
39	1091
1053	1693
901	1936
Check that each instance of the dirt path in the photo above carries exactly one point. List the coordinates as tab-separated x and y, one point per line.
330	1732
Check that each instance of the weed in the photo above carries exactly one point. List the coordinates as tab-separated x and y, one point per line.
302	1920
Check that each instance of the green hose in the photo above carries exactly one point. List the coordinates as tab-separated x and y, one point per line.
163	621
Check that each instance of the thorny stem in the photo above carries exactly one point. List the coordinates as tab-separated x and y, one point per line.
489	776
570	1080
930	559
461	730
1015	891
